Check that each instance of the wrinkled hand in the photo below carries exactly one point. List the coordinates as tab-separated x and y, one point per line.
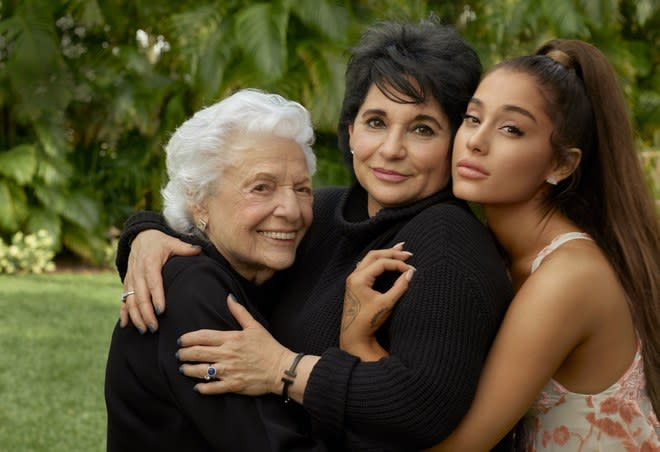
365	309
149	252
249	362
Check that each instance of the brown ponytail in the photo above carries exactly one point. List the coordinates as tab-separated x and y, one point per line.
607	195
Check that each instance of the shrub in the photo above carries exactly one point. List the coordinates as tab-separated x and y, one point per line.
32	253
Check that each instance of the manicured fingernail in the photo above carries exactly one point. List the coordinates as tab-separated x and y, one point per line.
233	298
121	324
409	274
399	245
176	355
141	330
180	369
195	388
152	328
158	310
178	342
407	252
195	246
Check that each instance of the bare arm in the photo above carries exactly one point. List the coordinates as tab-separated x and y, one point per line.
541	328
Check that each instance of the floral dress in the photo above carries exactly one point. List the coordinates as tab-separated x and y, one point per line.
620	418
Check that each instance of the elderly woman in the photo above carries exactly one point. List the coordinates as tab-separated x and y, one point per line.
239	187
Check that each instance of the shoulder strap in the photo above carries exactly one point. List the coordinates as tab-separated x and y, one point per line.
556	243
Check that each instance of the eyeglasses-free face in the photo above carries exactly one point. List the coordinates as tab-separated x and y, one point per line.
400	150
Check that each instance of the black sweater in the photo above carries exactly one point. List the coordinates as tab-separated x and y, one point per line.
151	406
438	334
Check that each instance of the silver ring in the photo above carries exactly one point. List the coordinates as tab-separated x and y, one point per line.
125	295
210	372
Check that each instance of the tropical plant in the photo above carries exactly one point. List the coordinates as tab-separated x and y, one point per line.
90	90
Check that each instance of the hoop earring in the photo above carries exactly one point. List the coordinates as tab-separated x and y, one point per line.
201	224
551	180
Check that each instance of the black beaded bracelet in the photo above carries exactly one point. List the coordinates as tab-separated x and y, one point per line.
289	376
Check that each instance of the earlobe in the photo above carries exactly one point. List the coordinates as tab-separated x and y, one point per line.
350	136
200	216
570	160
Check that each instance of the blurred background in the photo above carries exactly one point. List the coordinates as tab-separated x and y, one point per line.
90	91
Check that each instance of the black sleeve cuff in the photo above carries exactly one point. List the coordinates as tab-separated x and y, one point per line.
135	224
326	392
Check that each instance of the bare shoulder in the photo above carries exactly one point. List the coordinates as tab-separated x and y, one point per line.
576	278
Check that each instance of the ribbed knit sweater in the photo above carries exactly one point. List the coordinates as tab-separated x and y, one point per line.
151	406
438	334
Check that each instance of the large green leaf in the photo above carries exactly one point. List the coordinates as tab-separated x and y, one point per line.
7	217
13	206
52	136
19	163
35	66
261	30
330	18
601	13
54	198
84	243
41	217
82	210
323	81
54	171
87	12
564	17
214	60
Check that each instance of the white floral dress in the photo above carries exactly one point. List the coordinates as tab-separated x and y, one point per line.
620	418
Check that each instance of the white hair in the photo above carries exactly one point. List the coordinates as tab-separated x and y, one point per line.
200	149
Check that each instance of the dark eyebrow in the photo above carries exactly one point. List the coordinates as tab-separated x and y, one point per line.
513	108
421	117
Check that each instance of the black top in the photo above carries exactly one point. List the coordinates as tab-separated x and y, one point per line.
438	334
151	406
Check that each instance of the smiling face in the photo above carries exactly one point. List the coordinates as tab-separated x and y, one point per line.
502	151
400	151
262	208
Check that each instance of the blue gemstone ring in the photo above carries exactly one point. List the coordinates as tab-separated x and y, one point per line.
210	372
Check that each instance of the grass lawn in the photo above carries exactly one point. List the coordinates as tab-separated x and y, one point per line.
54	336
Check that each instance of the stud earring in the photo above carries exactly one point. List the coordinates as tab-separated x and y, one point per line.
352	151
551	180
201	224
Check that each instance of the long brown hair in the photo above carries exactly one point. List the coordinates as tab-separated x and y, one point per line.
607	195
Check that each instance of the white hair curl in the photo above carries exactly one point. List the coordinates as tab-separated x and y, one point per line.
200	149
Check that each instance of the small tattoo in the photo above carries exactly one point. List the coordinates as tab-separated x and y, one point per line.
376	319
351	310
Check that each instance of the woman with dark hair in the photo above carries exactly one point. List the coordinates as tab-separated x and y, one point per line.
407	86
547	149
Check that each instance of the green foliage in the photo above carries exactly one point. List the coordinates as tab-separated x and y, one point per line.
651	166
90	91
32	253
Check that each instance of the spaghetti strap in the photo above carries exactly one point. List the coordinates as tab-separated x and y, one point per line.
556	243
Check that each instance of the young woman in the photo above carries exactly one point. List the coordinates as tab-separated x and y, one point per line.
547	149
